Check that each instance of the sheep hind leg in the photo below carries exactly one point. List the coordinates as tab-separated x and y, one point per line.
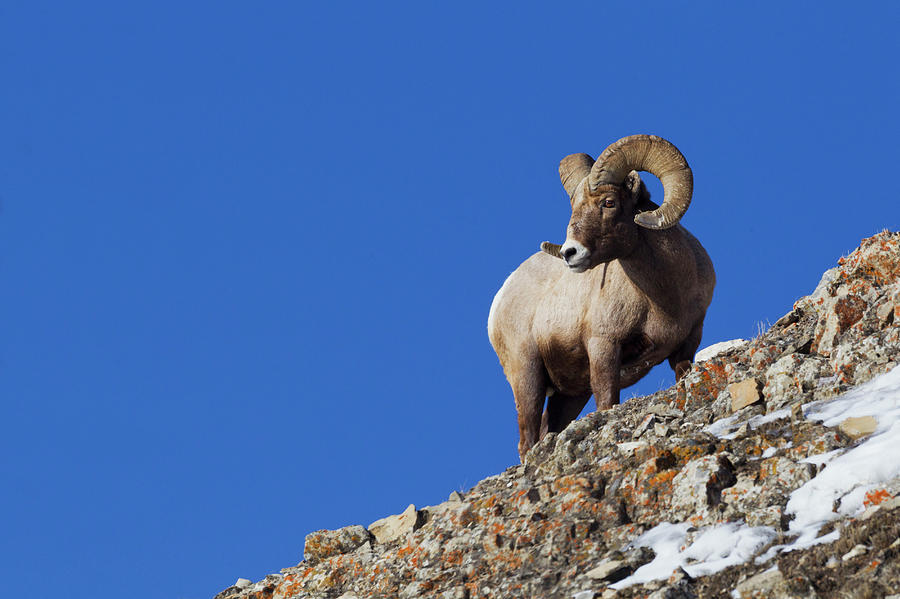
681	358
561	411
530	390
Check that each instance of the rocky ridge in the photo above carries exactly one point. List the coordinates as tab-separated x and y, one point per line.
705	489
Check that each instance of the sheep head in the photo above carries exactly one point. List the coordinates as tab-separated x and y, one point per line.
609	200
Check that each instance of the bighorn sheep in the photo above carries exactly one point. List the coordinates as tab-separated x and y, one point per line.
628	289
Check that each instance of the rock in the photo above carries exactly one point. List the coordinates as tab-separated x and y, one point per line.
888	311
643	426
784	473
242	583
889	504
633	448
762	586
391	528
856	551
744	393
326	543
699	486
679	590
858	427
458	592
611	570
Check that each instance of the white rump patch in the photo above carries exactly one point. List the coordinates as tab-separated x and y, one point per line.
493	313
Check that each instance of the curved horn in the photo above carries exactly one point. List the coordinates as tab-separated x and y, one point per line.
573	169
654	155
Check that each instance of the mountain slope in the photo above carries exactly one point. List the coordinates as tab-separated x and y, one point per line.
771	470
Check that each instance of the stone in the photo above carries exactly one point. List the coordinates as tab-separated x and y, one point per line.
643	426
855	552
326	543
888	504
888	310
611	570
457	592
761	586
699	486
858	427
786	474
242	583
393	527
744	393
632	448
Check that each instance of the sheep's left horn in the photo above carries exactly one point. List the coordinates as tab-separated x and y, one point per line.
551	248
654	155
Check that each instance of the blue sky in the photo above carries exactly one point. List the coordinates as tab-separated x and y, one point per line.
247	251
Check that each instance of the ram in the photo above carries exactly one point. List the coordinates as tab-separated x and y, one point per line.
628	289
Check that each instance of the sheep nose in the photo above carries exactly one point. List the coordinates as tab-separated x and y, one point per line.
568	253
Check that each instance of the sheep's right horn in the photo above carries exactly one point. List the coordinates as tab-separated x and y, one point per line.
654	155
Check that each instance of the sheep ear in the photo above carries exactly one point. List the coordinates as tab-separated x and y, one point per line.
639	192
551	248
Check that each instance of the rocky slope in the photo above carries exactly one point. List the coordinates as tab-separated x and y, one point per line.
757	475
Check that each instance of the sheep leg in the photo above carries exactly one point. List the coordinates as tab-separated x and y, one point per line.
606	364
530	390
561	410
681	358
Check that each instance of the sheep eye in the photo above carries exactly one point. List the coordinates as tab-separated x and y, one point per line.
609	203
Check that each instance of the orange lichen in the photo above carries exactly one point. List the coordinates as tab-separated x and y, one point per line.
875	497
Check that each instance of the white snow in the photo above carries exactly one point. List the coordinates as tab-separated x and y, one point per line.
848	476
717	348
823	458
726	428
853	473
714	548
850	473
723	426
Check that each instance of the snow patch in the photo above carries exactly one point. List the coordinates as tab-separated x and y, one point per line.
823	458
726	428
717	348
850	473
713	549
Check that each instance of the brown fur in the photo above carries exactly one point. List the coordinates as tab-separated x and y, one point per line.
642	300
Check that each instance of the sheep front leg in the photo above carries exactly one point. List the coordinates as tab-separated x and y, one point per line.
606	364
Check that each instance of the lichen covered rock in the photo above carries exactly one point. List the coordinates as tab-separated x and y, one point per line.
719	453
